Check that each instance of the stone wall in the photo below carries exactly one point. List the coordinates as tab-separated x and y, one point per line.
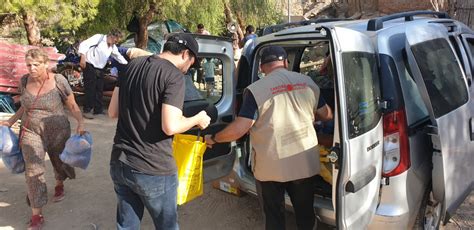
462	10
299	7
391	6
465	12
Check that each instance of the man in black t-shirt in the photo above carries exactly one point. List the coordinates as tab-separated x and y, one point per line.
149	110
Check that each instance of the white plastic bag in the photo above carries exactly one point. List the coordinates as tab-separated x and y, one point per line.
10	151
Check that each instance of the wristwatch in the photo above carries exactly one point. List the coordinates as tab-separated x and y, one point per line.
213	138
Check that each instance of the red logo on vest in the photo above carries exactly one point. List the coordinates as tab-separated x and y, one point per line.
288	88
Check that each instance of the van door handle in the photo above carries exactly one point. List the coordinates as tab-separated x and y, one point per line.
361	179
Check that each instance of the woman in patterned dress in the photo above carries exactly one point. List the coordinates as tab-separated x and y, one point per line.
44	129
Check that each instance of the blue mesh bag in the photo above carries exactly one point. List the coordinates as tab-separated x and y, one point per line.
10	151
7	104
78	151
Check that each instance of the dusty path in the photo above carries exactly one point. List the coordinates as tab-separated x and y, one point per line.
90	199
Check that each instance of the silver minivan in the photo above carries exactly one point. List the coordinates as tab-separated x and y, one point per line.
400	147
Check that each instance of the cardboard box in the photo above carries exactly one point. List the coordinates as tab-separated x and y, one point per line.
228	184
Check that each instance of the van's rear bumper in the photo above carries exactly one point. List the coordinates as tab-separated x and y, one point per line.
393	211
399	203
390	222
398	220
397	208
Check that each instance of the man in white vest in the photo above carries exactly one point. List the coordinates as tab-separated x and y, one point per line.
279	111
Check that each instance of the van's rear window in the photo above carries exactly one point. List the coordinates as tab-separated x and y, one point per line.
441	74
362	92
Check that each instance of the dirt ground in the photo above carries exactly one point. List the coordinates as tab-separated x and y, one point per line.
90	199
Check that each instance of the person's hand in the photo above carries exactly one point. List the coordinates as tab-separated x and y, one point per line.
82	65
80	129
208	141
204	120
5	123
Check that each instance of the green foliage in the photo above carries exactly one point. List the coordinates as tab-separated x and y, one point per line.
109	15
18	35
208	12
117	13
63	21
258	13
54	17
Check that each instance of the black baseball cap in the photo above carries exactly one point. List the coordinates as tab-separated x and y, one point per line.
272	53
189	42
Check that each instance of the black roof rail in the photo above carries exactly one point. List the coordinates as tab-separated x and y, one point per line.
279	27
377	23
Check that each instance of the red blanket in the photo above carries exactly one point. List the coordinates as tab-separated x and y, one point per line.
13	67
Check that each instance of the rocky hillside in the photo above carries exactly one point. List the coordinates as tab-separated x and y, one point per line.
351	7
462	10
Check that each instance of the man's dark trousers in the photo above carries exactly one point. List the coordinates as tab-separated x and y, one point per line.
93	88
271	195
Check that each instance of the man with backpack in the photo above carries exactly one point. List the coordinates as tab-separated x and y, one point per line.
95	52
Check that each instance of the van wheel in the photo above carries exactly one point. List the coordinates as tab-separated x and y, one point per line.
429	216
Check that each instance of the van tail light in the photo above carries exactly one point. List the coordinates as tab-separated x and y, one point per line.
396	150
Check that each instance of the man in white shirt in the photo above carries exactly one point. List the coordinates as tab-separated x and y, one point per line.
95	51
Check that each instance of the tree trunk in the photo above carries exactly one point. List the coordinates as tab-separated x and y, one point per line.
142	35
465	12
33	33
229	18
440	5
143	21
241	26
227	12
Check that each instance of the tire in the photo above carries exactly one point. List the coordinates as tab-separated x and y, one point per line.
429	216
